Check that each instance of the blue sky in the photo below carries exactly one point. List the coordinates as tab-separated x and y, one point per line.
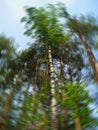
11	11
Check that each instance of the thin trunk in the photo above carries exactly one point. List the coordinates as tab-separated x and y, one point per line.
77	121
8	103
91	57
65	114
22	109
2	98
54	121
70	72
29	123
6	109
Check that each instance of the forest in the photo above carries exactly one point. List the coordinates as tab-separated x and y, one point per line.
47	85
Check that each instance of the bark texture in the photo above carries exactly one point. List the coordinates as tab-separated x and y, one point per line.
77	120
54	121
6	110
22	109
91	57
65	114
29	123
77	123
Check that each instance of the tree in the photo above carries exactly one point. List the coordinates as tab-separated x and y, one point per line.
78	100
7	54
48	31
86	28
42	85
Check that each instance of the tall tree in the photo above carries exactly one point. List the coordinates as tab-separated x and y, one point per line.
7	55
86	28
48	31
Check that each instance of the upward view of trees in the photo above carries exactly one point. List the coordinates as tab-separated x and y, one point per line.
44	86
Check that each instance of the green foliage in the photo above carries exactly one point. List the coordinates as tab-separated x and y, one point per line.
7	54
96	46
77	99
86	25
31	66
43	24
6	47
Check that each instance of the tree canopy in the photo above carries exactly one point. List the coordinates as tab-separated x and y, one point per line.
44	86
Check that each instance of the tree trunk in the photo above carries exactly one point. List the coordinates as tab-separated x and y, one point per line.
8	103
29	123
22	109
91	57
54	121
77	120
77	123
65	115
6	109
